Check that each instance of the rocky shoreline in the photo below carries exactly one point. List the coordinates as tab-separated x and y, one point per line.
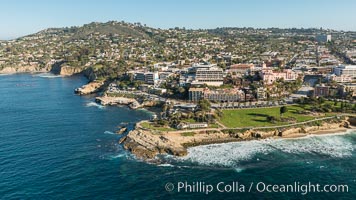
147	144
132	103
106	100
91	87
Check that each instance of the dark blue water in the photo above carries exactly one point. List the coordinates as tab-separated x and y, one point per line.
56	145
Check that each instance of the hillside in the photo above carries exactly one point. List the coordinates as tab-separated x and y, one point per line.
112	28
120	46
75	49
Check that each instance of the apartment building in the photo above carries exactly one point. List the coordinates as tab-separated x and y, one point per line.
213	76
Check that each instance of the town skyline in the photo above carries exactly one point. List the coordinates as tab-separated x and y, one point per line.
27	18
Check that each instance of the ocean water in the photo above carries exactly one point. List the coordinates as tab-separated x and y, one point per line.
57	145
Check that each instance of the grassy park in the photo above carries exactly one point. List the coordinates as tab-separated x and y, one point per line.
152	126
256	117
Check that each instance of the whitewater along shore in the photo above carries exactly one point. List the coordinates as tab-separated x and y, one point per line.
146	143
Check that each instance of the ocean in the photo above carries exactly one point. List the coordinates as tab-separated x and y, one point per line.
58	145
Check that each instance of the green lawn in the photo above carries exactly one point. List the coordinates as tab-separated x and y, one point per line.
213	126
189	120
149	125
256	117
188	134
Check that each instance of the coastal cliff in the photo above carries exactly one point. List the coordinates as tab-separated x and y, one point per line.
146	143
63	69
60	68
23	69
106	100
132	103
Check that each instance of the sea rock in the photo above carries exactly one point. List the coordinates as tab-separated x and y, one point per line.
105	100
352	121
146	145
89	88
121	131
122	140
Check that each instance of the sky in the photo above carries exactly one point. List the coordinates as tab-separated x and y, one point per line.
23	17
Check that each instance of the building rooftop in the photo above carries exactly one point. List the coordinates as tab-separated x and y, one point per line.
196	89
347	66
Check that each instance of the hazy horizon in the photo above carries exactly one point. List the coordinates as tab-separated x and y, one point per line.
23	18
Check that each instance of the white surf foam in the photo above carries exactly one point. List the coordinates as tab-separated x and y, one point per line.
166	165
117	156
226	155
238	169
48	75
332	146
93	104
109	132
113	157
232	154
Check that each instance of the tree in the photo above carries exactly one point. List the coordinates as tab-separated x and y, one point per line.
204	105
321	100
335	102
271	119
282	110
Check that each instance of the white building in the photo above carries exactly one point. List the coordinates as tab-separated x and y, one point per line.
151	78
323	38
140	76
148	77
192	125
213	76
339	79
196	66
224	95
347	70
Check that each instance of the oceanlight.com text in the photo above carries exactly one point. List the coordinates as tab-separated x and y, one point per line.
261	187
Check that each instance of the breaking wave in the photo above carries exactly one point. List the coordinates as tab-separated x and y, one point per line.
93	104
115	156
237	154
109	133
48	75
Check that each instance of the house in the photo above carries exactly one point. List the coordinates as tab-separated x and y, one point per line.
184	125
